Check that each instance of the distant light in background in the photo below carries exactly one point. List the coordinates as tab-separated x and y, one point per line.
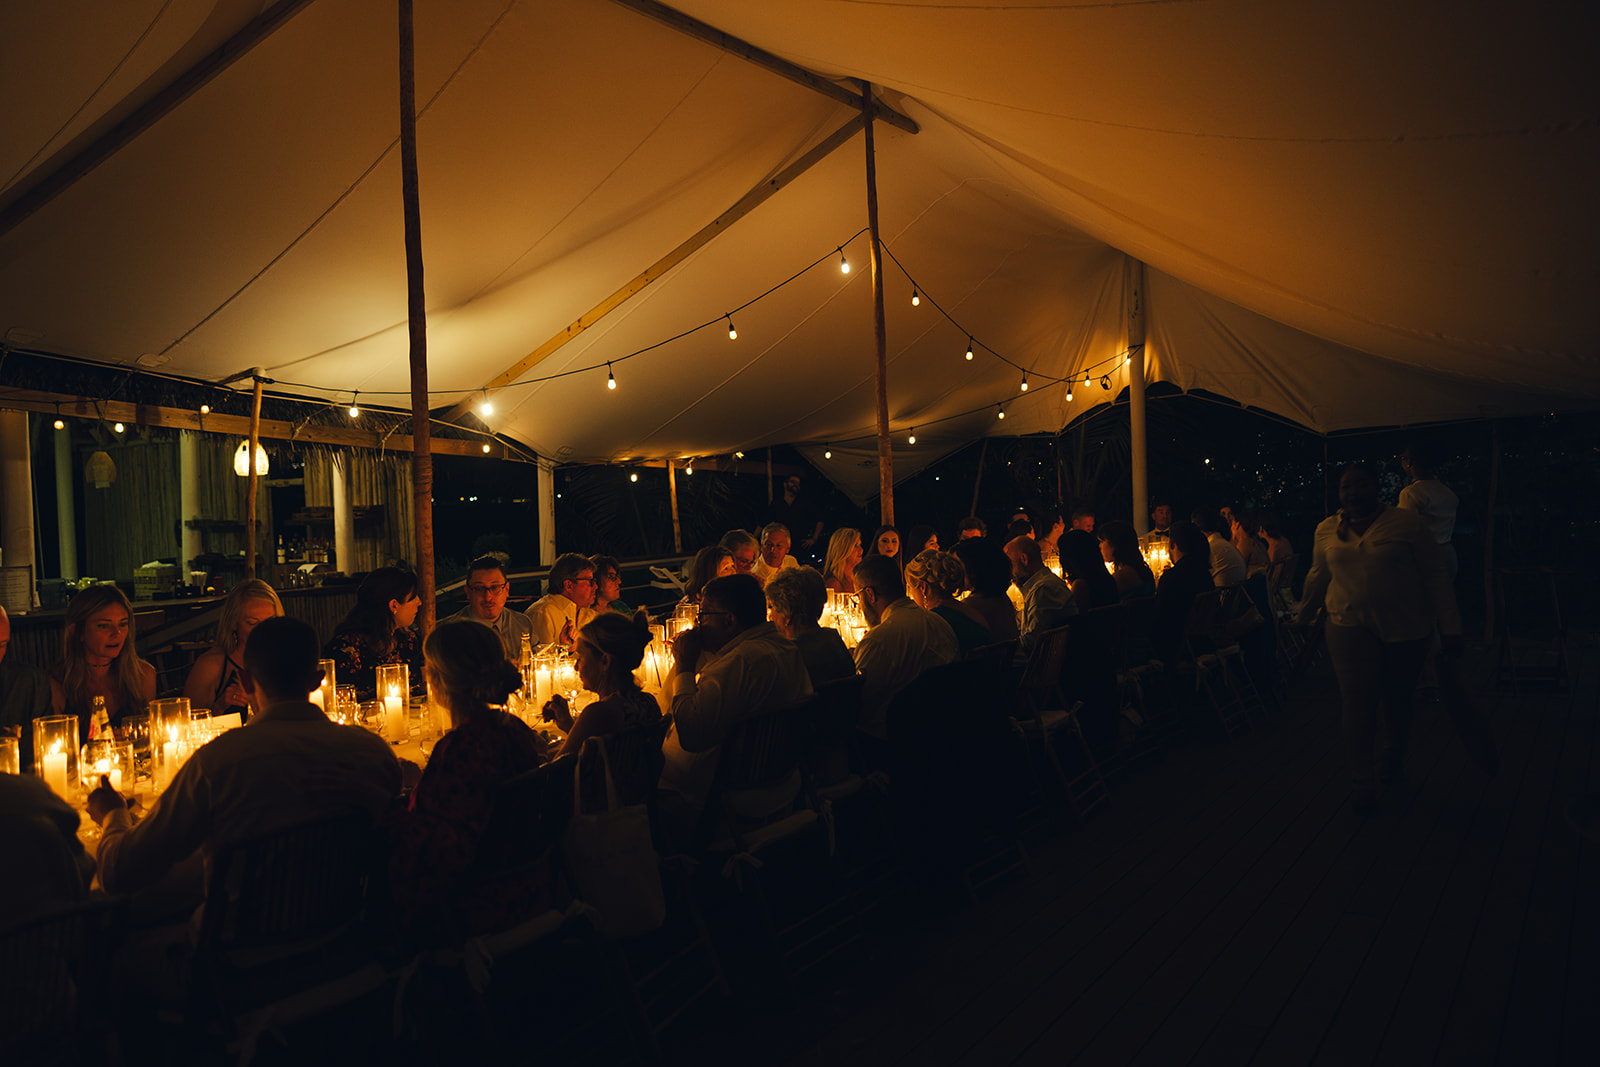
635	477
205	409
119	427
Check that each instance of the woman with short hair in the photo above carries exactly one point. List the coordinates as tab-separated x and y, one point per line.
609	649
795	599
932	579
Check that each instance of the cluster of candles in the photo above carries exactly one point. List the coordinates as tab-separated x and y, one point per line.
843	613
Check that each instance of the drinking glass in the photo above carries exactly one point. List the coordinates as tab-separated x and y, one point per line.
345	704
10	755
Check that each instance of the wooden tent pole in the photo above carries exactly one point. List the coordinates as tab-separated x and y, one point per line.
977	483
672	493
417	317
880	330
252	482
1137	431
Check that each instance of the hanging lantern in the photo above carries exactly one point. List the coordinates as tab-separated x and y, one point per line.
100	472
241	460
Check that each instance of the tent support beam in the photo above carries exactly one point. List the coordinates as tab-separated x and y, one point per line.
701	31
672	492
746	204
880	330
148	114
252	482
417	320
1136	413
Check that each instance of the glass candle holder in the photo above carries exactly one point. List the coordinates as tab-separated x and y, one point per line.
369	716
345	704
394	689
10	755
169	739
135	731
124	770
55	753
544	679
326	696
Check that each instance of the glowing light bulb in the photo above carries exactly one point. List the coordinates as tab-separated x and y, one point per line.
1002	413
60	425
355	412
915	297
486	449
827	453
733	335
969	348
205	409
911	438
844	264
611	383
119	427
633	477
485	409
1069	394
688	468
1024	381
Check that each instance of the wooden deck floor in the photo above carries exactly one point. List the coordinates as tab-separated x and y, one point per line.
1230	908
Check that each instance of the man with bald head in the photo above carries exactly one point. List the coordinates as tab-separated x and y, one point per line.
1046	600
24	694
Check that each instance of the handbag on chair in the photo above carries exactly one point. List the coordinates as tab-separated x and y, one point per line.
612	858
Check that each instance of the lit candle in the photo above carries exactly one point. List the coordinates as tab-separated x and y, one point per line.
394	713
55	770
103	766
316	698
543	685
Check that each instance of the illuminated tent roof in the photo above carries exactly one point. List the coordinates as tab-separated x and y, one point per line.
1347	214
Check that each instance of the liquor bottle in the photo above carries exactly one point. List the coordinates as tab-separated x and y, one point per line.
283	556
99	720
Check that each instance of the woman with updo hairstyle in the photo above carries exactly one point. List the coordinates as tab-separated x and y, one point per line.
844	552
438	837
710	562
378	632
795	599
1119	546
932	581
610	648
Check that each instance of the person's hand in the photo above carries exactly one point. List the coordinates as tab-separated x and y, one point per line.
557	710
410	774
686	649
104	800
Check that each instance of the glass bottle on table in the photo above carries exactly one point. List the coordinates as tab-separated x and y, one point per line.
99	720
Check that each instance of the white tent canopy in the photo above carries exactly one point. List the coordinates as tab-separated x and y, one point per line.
1348	214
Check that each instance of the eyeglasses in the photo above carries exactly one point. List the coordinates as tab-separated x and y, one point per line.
487	590
709	614
591	581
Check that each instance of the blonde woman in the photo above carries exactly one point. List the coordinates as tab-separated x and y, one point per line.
214	679
98	660
844	552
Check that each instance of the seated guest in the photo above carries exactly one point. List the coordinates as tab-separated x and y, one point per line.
1160	524
1246	538
98	660
1227	566
1091	584
903	641
795	600
24	695
986	574
610	649
1049	542
1276	536
557	616
214	679
1189	575
288	765
377	632
608	586
971	527
774	556
46	865
932	580
886	543
756	671
1119	546
919	540
844	552
709	564
487	592
1046	600
745	549
438	837
1083	518
1020	528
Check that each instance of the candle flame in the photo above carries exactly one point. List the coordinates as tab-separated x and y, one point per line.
55	749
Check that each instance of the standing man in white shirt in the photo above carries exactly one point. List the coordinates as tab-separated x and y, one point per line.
1434	501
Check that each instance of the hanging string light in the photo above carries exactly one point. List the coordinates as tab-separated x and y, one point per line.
915	297
1002	408
119	427
355	409
611	383
733	335
1024	381
1105	381
59	424
688	468
486	448
1069	392
633	477
205	409
911	438
969	347
827	453
486	409
844	264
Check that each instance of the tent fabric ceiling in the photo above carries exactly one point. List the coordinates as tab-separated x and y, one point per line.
1349	214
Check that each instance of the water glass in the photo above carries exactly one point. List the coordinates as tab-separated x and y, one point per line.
10	755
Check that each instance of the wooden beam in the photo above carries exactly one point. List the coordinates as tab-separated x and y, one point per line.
417	322
701	31
72	406
252	482
880	331
148	114
746	204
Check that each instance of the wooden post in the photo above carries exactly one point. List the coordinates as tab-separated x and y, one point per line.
252	482
977	483
417	316
1488	532
880	330
672	492
1136	413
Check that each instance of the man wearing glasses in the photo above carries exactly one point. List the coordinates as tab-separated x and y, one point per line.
558	616
487	591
